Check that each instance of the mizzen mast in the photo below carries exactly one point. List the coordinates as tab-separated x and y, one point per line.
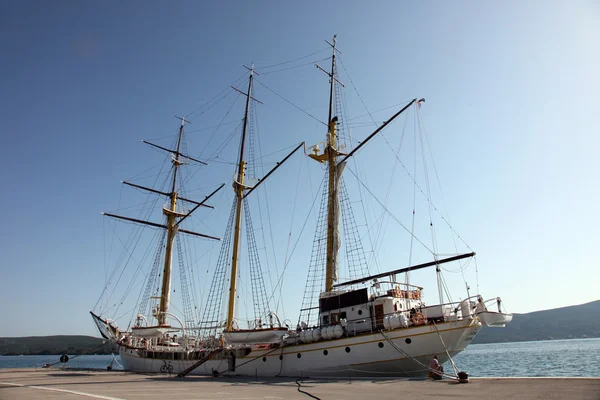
330	154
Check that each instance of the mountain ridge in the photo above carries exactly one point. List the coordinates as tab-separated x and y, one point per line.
569	322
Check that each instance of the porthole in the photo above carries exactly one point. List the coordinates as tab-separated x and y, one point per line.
359	312
407	340
281	357
325	352
299	355
347	349
380	345
264	359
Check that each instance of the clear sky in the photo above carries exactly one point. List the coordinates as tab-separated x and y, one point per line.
512	93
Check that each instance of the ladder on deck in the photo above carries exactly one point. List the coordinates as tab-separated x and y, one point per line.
210	355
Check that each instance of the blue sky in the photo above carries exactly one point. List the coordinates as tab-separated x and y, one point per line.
512	95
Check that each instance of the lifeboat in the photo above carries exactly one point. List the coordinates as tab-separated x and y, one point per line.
494	319
267	335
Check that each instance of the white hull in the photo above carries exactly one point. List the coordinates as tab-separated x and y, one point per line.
369	355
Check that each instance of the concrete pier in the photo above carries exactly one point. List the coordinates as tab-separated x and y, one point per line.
29	384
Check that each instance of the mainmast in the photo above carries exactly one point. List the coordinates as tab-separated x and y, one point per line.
171	213
330	154
238	187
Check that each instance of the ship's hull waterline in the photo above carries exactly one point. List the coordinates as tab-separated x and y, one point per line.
368	355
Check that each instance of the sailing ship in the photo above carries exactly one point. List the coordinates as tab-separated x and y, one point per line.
371	325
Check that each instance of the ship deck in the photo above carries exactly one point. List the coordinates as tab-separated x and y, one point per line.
117	385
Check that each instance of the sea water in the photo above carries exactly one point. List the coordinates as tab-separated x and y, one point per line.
574	357
91	362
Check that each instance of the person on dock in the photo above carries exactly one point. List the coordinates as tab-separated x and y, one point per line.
435	369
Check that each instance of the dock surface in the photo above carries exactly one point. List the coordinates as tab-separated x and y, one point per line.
29	384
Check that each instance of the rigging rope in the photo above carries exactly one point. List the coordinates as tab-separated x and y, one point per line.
294	67
189	114
289	102
355	255
259	294
254	121
219	127
291	61
390	213
419	120
212	312
315	281
188	315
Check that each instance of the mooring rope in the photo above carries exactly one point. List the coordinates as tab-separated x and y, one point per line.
412	358
445	348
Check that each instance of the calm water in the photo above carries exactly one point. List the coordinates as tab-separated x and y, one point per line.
576	357
78	362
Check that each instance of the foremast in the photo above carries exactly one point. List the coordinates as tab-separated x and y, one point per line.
171	214
172	224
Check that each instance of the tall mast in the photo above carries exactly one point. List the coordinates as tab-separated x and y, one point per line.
238	187
330	155
171	213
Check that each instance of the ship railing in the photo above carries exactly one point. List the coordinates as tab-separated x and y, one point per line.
397	289
444	312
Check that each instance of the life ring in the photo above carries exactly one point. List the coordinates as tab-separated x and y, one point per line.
418	319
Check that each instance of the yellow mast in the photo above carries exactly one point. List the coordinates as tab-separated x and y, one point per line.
238	187
171	213
330	154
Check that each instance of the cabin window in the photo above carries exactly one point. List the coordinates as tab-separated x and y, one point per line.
264	359
359	312
380	345
335	318
407	340
347	349
343	314
326	320
325	352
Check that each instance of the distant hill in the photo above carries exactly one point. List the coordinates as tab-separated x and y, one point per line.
42	345
582	321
